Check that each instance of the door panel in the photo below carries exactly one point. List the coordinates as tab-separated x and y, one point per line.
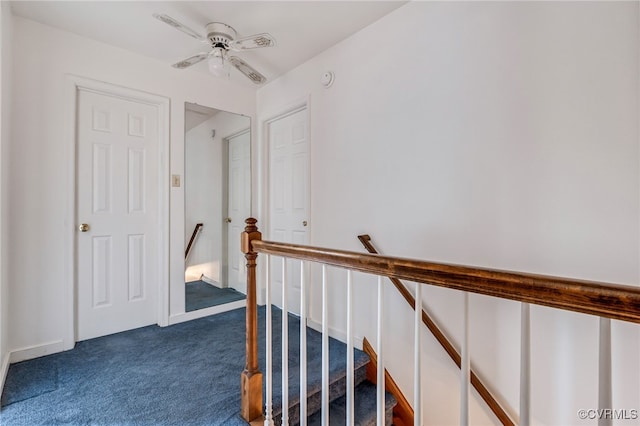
101	283
117	195
288	196
136	187
136	267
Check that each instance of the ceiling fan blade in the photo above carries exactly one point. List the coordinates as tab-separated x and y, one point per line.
247	70
255	41
190	61
178	26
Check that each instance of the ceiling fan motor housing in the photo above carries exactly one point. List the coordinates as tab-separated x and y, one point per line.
220	35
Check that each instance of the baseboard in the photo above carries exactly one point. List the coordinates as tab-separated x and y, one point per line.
188	316
4	369
210	281
36	351
335	333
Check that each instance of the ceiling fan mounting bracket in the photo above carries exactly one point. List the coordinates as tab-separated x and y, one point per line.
220	35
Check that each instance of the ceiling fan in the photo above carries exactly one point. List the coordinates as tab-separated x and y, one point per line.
222	38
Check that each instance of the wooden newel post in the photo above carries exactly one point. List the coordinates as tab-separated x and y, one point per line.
251	377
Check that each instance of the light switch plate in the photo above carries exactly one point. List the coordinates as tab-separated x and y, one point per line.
175	181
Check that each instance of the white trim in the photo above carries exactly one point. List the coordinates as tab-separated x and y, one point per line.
36	351
4	369
73	85
337	334
164	193
210	281
200	313
295	104
238	133
291	108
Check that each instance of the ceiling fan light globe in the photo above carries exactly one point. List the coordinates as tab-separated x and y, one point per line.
218	66
218	63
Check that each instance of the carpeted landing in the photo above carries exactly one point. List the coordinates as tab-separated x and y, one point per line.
199	295
185	374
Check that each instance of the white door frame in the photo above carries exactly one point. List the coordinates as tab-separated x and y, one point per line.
291	108
75	84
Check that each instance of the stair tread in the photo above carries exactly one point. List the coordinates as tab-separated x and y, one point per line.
337	388
365	392
364	407
337	364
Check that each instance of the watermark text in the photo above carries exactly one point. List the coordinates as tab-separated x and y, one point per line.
608	414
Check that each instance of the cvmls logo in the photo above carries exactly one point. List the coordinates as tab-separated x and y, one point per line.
608	414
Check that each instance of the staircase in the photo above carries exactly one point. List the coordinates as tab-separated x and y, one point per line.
605	300
365	391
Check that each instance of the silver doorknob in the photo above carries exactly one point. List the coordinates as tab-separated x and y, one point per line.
228	220
84	227
304	223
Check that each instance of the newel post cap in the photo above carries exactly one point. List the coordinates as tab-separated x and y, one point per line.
250	234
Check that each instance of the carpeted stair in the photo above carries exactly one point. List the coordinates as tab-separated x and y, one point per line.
365	408
365	391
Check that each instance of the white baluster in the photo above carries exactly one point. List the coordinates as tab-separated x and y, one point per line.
525	365
303	347
325	350
380	371
350	380
417	384
465	365
285	347
268	418
604	371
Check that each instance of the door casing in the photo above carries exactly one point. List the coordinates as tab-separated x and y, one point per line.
292	108
226	199
74	84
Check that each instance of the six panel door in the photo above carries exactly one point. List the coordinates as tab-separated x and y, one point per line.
117	197
239	208
288	196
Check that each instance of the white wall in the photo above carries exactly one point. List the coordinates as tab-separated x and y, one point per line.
6	24
39	194
205	194
501	135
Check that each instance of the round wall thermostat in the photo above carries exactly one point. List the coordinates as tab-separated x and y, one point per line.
327	78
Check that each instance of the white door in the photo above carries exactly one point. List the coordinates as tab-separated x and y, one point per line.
288	196
239	206
117	197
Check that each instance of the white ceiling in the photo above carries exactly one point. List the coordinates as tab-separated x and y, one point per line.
302	29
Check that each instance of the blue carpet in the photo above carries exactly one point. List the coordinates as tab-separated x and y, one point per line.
185	374
199	295
30	379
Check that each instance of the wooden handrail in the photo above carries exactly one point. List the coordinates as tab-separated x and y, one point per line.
486	395
193	237
588	297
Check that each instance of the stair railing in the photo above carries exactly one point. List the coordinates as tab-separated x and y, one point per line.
196	229
608	301
446	344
